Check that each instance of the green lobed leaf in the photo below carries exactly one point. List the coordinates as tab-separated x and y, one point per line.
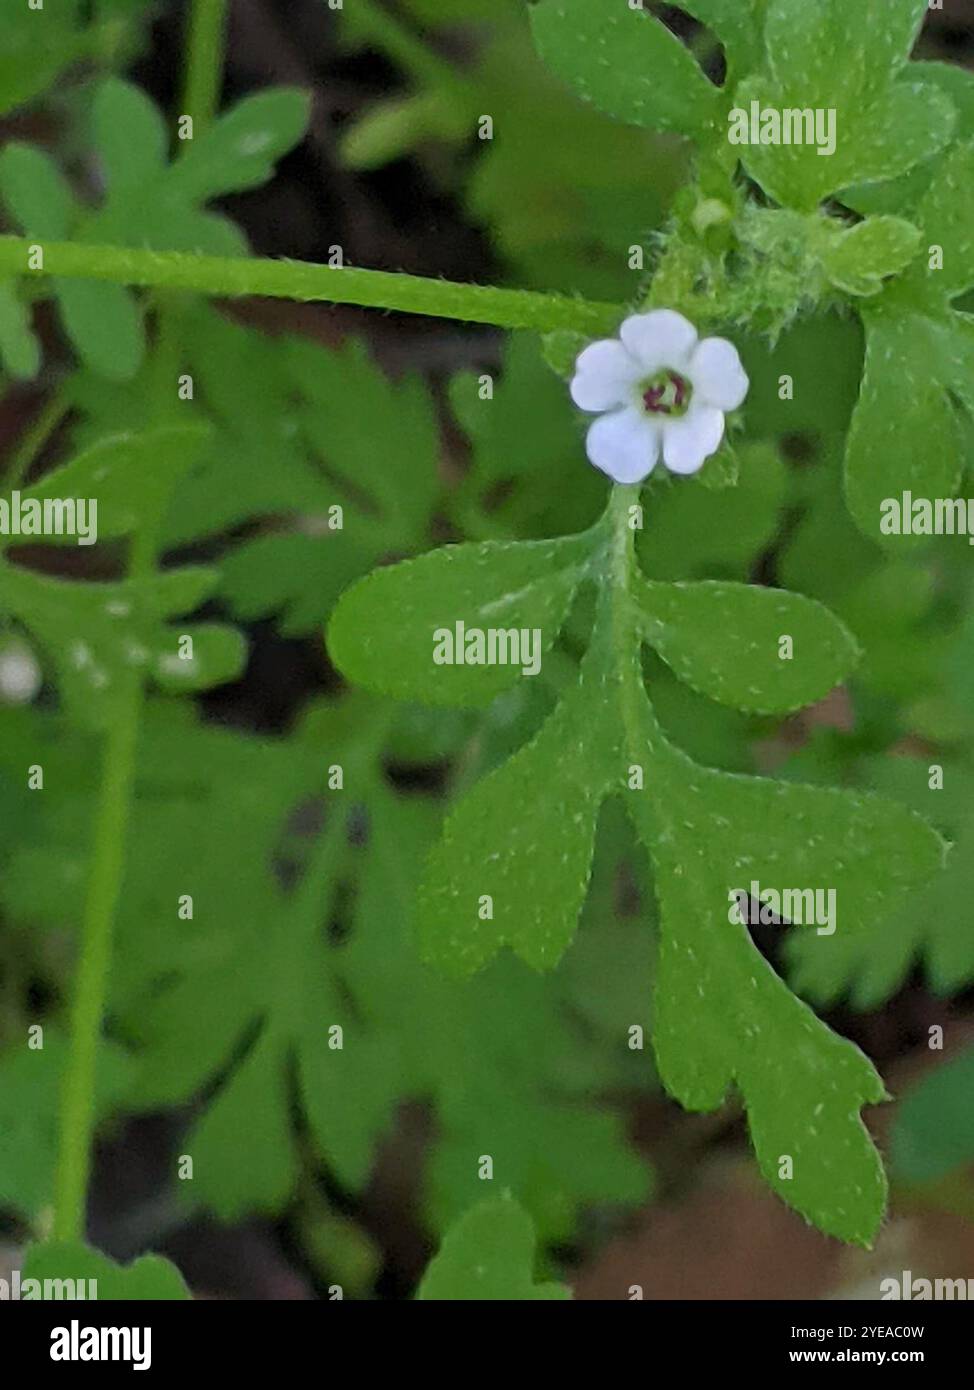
869	965
217	657
858	260
851	51
35	191
512	866
255	1092
625	62
240	149
850	60
130	476
38	44
946	214
130	135
105	324
559	1158
386	628
720	1012
103	320
907	125
149	1278
148	202
336	390
502	1059
96	635
288	451
295	576
957	84
724	640
512	869
488	1255
905	435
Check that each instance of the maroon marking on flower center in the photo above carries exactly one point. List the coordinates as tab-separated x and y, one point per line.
654	401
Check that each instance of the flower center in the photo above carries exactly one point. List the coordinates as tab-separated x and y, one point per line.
667	393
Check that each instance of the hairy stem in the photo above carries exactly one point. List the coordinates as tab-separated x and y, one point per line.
301	280
641	731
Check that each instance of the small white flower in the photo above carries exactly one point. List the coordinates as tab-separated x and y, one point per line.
658	389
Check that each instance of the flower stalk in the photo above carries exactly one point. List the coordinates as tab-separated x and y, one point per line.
235	277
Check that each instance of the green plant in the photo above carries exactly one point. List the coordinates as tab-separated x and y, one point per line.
305	471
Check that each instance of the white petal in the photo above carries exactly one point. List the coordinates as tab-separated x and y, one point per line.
625	445
605	375
659	339
716	373
687	442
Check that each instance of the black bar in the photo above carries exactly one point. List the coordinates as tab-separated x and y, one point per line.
255	1339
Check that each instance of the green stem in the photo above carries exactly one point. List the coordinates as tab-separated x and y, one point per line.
622	564
36	436
113	814
642	733
77	1116
373	289
412	55
112	819
205	40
